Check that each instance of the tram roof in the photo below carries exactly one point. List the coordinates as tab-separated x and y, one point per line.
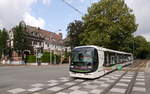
104	49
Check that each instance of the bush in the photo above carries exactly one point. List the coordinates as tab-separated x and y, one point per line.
47	57
66	57
31	59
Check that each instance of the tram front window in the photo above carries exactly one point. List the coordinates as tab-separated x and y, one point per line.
84	60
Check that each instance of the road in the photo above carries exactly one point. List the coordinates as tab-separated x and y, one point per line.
56	80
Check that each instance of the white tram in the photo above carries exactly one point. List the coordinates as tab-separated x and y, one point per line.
93	61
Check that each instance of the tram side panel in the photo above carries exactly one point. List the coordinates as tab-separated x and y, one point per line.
100	70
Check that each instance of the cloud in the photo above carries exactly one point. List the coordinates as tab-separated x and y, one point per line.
141	9
71	1
46	2
14	11
30	20
82	1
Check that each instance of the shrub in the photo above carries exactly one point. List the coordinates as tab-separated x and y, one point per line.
31	59
47	57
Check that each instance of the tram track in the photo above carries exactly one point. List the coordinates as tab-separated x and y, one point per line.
105	91
131	84
68	87
51	86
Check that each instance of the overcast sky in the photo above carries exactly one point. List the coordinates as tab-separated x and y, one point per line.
54	15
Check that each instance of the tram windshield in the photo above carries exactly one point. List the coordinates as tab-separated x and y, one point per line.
84	59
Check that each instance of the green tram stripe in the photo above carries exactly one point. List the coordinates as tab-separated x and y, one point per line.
81	70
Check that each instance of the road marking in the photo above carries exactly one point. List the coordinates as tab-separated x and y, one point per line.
96	91
140	76
34	89
52	84
115	78
127	77
141	73
78	92
70	83
104	85
103	78
139	89
139	79
118	90
125	80
91	86
121	84
64	80
55	88
37	85
75	87
111	81
85	83
61	93
79	80
16	90
53	81
140	83
117	75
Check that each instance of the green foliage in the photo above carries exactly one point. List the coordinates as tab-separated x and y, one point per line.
141	47
20	41
108	23
4	49
47	57
31	59
66	57
74	30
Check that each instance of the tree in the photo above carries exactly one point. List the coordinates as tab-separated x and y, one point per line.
108	23
3	42
74	30
20	41
141	47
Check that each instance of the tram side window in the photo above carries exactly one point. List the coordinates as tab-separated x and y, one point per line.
95	58
113	58
129	58
106	59
110	59
117	58
120	59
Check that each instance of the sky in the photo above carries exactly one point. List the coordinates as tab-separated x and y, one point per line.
55	15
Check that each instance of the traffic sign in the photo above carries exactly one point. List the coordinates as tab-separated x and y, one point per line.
39	55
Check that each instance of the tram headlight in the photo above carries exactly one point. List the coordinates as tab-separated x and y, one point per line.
71	66
89	67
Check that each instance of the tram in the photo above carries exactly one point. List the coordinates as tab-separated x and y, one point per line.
93	61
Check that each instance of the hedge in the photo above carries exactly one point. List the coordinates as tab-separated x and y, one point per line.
31	59
47	57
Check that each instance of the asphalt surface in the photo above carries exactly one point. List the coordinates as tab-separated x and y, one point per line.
22	76
56	80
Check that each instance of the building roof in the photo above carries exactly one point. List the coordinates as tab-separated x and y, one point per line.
47	35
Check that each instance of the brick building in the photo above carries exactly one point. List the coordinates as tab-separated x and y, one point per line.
38	37
43	40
